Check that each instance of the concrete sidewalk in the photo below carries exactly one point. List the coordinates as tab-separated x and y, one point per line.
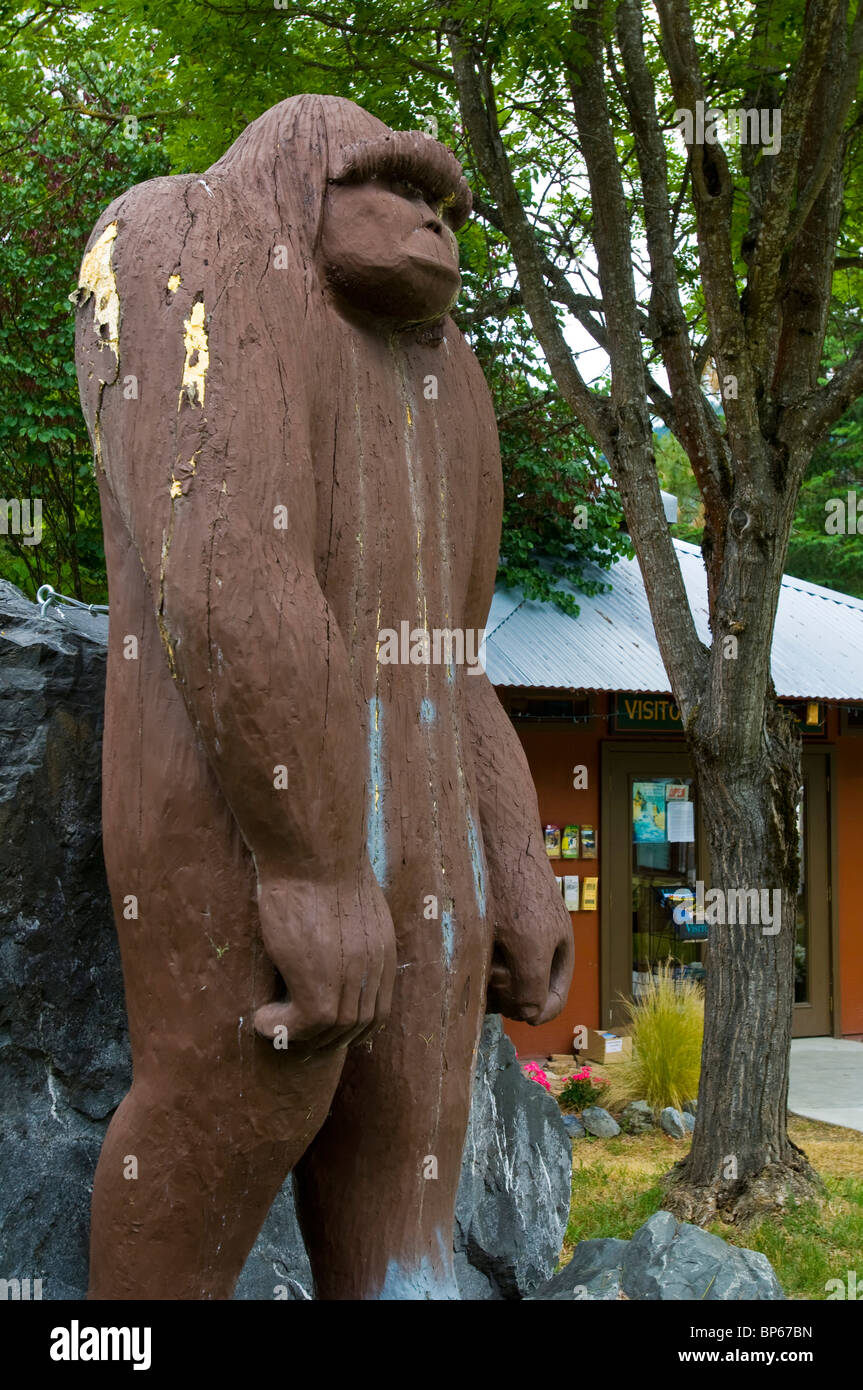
827	1081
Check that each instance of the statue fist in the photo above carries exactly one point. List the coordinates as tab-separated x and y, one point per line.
533	956
334	946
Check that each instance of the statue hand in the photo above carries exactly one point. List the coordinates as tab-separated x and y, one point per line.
334	946
533	947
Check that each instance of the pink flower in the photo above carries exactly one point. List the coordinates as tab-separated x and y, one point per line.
534	1072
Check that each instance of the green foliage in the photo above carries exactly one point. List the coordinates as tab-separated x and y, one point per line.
836	468
667	1030
580	1090
676	476
195	74
61	166
192	77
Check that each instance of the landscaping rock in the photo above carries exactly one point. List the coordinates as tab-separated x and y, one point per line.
573	1126
64	1055
666	1261
637	1118
688	1121
690	1107
513	1198
671	1121
598	1121
669	1260
593	1273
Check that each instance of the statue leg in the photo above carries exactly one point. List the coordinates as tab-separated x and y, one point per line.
217	1116
185	1181
376	1189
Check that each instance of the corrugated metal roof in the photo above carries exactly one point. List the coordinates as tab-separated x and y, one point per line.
817	643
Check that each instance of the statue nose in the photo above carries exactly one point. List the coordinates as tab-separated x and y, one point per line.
433	223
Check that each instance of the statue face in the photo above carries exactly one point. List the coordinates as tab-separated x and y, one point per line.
384	249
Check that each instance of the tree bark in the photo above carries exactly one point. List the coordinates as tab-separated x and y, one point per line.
766	338
742	1163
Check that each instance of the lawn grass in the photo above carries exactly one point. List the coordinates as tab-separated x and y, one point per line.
616	1187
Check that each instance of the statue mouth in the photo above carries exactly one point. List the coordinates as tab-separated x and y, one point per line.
440	265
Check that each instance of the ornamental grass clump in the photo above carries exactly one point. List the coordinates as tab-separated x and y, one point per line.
667	1031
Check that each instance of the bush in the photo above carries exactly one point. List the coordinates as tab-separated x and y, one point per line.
580	1090
667	1030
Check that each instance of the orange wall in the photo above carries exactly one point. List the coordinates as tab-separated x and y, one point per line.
849	803
552	751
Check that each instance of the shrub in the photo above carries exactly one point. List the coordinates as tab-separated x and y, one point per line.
667	1030
580	1089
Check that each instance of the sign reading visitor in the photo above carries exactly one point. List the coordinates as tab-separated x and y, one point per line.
651	712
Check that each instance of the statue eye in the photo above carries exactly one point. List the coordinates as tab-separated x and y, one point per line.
407	190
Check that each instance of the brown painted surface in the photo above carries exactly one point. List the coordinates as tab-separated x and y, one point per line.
552	753
303	842
849	800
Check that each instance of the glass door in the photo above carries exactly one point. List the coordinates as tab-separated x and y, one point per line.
654	856
664	873
813	1006
650	820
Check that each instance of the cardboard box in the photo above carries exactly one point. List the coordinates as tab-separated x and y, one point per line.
607	1047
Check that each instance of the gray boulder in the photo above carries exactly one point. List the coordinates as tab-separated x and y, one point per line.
637	1117
671	1121
64	1059
573	1126
513	1198
690	1107
598	1122
688	1122
592	1274
666	1261
64	1054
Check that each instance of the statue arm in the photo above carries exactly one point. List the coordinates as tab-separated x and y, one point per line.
265	674
533	956
197	469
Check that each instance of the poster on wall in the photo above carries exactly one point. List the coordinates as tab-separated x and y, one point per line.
681	822
648	812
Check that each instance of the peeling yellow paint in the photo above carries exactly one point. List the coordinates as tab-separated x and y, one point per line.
187	471
410	417
96	277
160	616
174	283
197	360
97	447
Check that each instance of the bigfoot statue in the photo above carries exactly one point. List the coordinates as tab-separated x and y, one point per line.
325	866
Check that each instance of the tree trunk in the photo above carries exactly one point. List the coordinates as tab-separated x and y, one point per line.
742	1163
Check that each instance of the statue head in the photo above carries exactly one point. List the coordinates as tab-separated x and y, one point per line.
373	211
387	242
